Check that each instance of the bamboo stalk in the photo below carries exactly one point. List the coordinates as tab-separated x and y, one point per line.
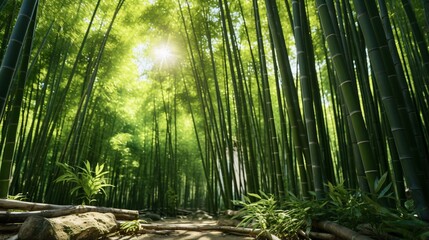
290	94
28	206
349	93
7	71
401	132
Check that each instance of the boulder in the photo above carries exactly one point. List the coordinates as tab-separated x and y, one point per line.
91	225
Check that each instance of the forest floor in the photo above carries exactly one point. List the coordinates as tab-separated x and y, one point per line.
176	234
183	234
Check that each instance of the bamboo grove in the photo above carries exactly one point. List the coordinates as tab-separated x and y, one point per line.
274	96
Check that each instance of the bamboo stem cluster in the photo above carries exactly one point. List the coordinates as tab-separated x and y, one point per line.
281	98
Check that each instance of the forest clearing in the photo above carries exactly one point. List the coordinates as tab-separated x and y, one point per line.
306	119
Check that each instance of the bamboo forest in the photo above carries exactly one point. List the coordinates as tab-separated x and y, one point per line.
320	107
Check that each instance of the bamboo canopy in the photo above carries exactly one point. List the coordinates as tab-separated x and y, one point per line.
193	104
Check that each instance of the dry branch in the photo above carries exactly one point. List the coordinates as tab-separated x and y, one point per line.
200	228
158	232
339	231
29	206
317	235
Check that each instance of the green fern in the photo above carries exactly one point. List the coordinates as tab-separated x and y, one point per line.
87	182
131	226
19	197
266	214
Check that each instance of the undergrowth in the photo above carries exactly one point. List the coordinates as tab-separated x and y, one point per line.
131	227
88	183
346	207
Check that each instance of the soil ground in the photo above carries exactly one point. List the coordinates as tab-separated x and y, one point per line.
185	235
177	234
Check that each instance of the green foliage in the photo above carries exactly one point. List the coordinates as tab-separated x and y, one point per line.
266	215
402	222
223	100
172	199
19	196
347	207
131	226
89	182
380	190
352	208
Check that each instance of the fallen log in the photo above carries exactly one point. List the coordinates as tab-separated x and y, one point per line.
17	217
206	227
317	235
158	232
339	231
28	206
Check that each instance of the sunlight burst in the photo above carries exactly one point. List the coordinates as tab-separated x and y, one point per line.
163	52
149	57
164	55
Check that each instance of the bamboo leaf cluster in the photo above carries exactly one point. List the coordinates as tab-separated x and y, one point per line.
91	182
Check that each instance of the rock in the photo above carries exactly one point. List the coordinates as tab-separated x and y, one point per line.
231	213
201	215
151	216
91	225
228	222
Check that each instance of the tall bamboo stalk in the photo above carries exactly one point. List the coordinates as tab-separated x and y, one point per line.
303	53
290	94
7	71
382	64
11	58
349	93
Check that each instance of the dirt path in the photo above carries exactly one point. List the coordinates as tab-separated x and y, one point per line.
186	235
176	234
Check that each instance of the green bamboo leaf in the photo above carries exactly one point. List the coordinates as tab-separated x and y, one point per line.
73	190
254	195
384	191
378	184
99	169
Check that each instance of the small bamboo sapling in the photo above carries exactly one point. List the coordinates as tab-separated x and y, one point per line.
89	182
